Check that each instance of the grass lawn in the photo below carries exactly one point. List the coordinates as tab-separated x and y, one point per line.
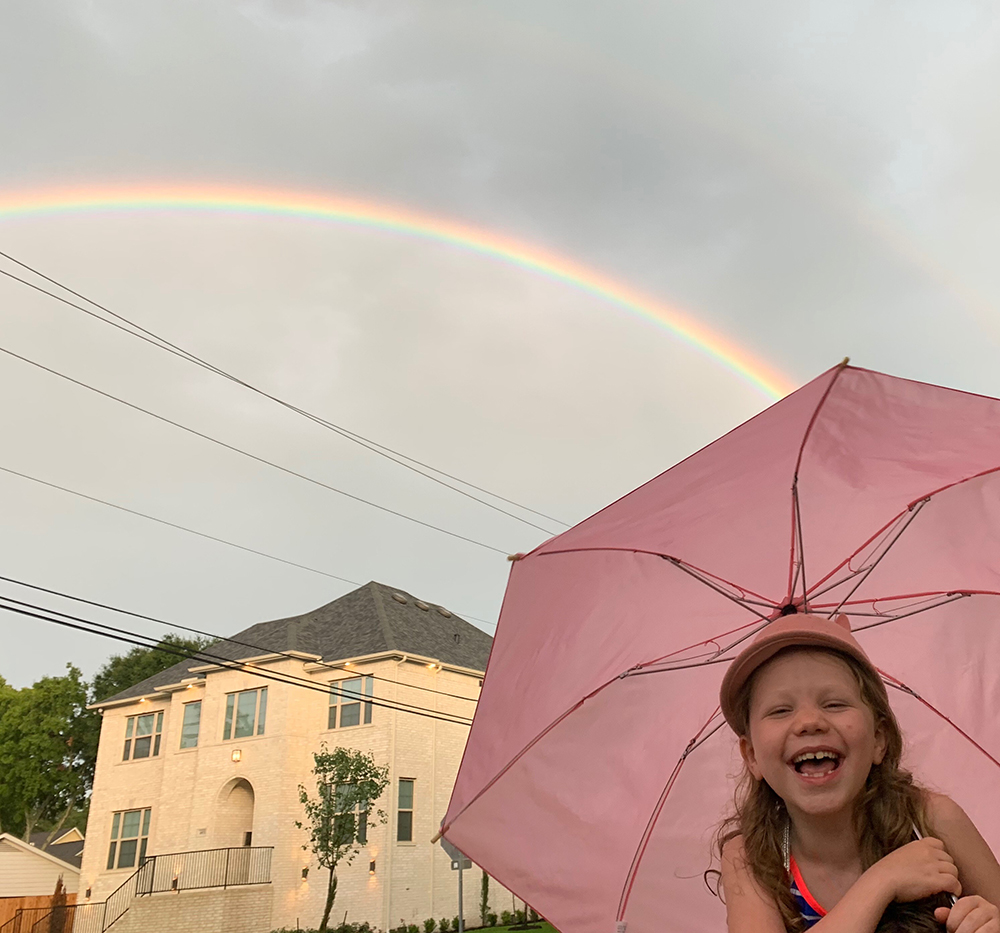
545	926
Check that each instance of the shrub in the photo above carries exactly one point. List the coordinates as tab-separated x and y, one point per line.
429	925
533	915
412	928
491	919
454	923
444	924
518	916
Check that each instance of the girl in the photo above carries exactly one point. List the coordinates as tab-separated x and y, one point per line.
829	832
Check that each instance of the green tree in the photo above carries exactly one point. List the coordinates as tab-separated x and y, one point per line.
122	671
48	744
348	785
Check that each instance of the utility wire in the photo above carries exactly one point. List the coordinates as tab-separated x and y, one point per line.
193	531
409	463
293	679
246	453
195	631
143	641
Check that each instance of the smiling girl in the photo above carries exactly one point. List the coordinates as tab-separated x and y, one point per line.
829	832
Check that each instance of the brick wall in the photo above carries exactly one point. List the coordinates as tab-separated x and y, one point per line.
233	910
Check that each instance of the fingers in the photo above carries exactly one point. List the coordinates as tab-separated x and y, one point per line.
970	915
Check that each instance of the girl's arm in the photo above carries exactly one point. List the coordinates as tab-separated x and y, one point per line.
750	910
915	871
978	869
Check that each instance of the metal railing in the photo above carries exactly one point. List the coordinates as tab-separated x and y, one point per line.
205	868
66	918
158	874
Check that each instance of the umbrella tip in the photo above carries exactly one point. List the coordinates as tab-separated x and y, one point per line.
845	361
518	556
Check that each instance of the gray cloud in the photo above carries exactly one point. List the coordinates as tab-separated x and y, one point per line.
812	181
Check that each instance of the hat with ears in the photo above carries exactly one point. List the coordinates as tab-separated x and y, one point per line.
798	630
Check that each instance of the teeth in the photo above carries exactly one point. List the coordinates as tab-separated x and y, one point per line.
818	756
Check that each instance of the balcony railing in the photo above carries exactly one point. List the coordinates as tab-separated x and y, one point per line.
158	874
206	868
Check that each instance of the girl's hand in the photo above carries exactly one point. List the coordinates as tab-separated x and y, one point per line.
969	914
917	870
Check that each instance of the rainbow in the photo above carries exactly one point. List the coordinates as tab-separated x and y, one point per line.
315	206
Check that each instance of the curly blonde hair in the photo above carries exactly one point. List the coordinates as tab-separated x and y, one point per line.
888	809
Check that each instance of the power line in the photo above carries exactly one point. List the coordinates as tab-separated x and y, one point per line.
213	635
124	635
246	453
193	531
203	653
142	333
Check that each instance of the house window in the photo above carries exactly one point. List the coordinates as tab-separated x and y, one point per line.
350	696
404	811
191	725
142	735
129	832
245	713
350	824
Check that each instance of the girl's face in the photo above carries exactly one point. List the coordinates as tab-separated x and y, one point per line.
812	737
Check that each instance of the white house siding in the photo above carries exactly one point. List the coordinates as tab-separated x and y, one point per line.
24	873
182	787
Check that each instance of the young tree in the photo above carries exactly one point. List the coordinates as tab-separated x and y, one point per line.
348	785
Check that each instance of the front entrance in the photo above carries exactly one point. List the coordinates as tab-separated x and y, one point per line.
234	828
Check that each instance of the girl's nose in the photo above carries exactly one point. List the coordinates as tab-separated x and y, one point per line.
808	720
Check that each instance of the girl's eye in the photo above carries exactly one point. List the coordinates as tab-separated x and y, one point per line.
779	710
836	704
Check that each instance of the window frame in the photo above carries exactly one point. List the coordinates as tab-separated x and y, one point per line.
185	738
233	713
141	839
132	737
341	700
360	816
400	809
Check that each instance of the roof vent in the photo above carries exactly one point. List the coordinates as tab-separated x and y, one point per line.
399	597
444	612
420	604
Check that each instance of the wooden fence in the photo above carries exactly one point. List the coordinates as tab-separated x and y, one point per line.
9	905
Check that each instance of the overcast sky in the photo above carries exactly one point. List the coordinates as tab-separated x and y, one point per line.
810	180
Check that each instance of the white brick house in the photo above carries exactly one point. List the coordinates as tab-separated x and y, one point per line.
203	757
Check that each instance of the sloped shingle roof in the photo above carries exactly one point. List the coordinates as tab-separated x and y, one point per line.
367	620
69	852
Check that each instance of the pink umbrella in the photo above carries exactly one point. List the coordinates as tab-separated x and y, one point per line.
599	765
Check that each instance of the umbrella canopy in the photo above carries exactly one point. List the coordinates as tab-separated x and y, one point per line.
599	766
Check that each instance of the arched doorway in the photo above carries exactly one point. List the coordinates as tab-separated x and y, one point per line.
234	815
234	830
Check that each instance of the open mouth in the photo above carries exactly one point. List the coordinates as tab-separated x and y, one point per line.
817	764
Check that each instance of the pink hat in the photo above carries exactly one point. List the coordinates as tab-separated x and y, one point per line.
799	630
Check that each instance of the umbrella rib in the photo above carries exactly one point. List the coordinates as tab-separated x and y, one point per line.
914	512
926	497
953	597
746	604
793	566
700	738
800	569
896	684
758	601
